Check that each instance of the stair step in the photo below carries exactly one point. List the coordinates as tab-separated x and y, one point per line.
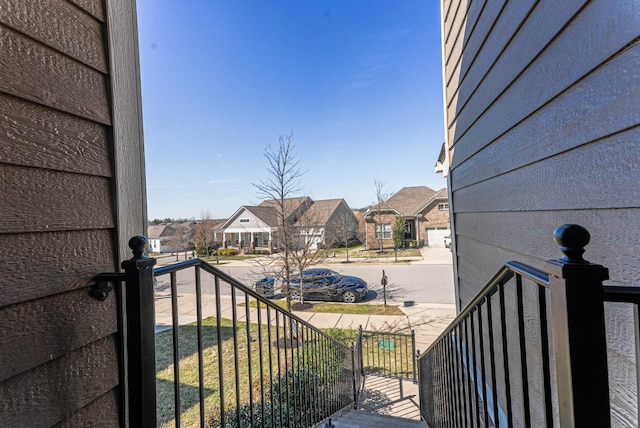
358	419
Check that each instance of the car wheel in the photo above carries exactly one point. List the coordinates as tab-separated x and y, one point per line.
294	295
349	297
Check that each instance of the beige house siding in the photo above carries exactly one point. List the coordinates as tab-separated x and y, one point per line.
60	220
542	113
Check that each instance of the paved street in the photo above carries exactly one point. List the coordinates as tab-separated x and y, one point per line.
422	289
428	280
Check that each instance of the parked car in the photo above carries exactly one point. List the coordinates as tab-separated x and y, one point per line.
265	287
325	284
447	241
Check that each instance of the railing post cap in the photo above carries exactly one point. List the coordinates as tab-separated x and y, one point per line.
138	244
572	239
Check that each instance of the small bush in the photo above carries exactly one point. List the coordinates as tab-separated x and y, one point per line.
260	252
227	252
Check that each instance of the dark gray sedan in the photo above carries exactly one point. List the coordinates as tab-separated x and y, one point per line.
325	284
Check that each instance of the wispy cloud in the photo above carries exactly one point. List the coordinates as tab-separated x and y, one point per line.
217	181
164	185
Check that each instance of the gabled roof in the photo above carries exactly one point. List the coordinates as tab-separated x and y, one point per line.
290	204
321	211
267	214
439	196
155	231
407	201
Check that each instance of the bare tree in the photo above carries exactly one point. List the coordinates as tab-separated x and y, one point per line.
177	240
343	231
204	235
381	196
280	185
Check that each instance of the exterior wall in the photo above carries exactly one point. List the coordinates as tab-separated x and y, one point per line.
238	231
542	112
373	242
61	222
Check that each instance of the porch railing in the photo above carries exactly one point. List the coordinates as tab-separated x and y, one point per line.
529	350
244	361
388	354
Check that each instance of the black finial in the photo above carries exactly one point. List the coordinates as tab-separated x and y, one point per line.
138	244
572	239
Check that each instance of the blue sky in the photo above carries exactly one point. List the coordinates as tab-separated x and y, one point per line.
358	83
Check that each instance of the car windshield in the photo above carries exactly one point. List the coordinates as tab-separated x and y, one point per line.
333	277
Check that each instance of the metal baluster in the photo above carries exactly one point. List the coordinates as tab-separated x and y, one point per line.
200	343
523	352
505	355
176	353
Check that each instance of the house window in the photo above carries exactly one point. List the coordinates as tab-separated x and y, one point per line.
244	220
443	207
383	231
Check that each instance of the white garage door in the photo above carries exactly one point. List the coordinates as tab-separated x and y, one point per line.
435	238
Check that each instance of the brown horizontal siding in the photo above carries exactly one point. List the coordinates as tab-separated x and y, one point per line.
59	324
43	264
45	76
37	136
42	200
58	348
93	7
59	25
53	391
101	413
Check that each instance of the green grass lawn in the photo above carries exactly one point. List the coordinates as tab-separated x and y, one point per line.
257	347
337	308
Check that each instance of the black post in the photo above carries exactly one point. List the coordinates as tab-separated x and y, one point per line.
354	377
140	336
383	281
579	332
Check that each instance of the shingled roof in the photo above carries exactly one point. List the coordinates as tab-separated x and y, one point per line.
321	211
409	200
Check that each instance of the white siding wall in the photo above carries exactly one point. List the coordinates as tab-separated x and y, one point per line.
542	112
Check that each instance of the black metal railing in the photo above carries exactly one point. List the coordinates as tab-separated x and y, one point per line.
529	350
388	354
243	361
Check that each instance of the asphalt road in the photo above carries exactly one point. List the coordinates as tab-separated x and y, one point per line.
421	283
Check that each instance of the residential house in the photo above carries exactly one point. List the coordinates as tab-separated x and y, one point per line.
256	227
73	181
159	236
426	215
542	128
328	223
177	236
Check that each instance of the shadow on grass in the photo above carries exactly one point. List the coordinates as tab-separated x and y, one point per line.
188	341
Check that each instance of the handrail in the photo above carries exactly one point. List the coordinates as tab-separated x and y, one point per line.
616	293
504	275
495	363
